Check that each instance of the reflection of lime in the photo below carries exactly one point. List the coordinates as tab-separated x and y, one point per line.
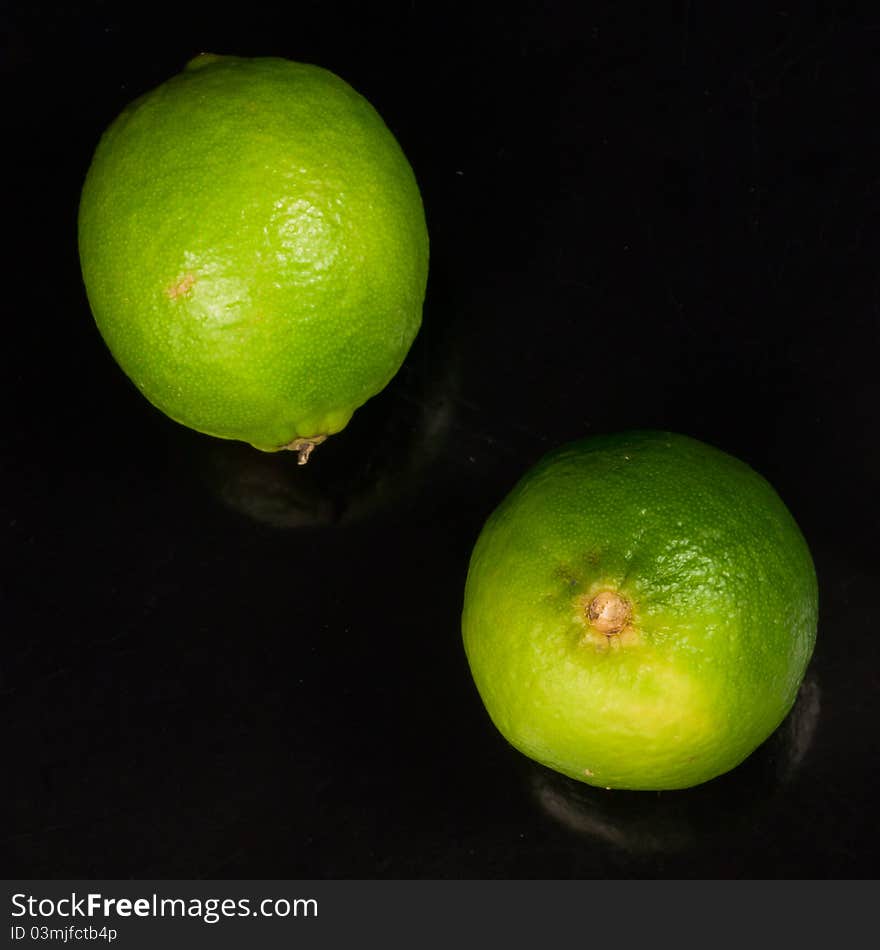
640	611
254	249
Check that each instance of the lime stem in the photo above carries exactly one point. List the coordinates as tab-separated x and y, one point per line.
305	447
609	612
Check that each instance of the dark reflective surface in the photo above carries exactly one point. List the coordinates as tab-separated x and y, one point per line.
217	663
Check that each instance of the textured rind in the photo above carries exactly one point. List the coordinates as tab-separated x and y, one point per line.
725	605
254	249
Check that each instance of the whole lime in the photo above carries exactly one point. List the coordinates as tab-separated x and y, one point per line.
254	249
640	611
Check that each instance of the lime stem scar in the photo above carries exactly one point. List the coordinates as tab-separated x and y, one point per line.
609	612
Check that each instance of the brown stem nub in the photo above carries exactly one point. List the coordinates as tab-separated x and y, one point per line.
609	612
305	447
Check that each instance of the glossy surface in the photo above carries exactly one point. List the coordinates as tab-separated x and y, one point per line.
216	663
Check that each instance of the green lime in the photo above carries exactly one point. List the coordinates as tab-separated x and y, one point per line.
640	611
254	249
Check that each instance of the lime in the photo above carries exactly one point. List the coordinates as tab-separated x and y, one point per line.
254	249
639	611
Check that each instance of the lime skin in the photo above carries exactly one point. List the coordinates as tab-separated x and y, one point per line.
254	249
639	611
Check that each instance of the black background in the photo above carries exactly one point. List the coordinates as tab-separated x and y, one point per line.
216	664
